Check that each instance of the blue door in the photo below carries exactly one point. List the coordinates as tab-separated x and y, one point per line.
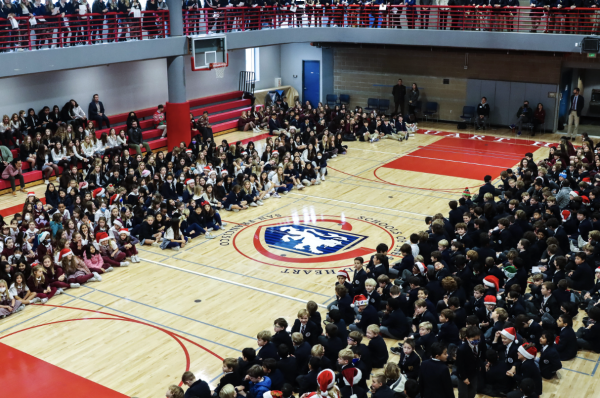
311	82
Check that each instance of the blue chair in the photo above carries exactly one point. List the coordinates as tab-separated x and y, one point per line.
384	105
372	104
468	113
331	99
344	99
431	109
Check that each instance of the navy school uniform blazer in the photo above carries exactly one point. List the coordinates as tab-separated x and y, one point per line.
434	380
379	351
310	332
410	365
567	344
549	362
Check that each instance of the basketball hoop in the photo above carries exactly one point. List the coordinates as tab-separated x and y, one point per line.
219	68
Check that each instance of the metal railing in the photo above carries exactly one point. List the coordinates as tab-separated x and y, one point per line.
41	32
56	31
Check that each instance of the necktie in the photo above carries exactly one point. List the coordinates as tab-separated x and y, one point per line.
574	103
302	329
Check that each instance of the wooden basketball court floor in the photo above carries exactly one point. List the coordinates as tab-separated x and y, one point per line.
137	331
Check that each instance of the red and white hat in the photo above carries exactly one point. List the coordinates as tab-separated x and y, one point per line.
326	380
351	377
491	281
422	268
224	172
565	215
64	253
275	152
189	181
114	198
102	236
359	300
528	353
188	151
30	194
97	191
509	333
124	231
84	185
489	300
344	273
206	168
118	223
145	173
598	270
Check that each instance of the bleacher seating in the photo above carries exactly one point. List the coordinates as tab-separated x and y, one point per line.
224	110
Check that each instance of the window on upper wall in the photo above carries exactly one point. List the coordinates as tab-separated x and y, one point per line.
253	62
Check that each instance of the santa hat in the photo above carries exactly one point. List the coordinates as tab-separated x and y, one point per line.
598	270
101	237
30	194
204	203
509	333
189	181
359	300
114	198
510	271
422	268
467	193
124	231
42	237
188	151
351	377
489	300
326	380
585	199
84	185
207	168
224	173
565	215
344	273
118	223
97	191
528	353
34	264
275	153
573	194
145	173
491	281
64	253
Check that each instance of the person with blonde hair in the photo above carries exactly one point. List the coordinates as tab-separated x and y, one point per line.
174	392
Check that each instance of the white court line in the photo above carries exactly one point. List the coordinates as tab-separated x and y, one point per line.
370	150
457	161
230	282
360	204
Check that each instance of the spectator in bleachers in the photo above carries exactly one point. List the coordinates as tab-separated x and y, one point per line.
160	120
96	112
13	171
135	139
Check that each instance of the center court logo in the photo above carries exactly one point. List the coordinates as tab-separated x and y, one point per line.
323	244
309	240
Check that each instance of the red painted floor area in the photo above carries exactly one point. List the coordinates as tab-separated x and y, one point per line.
25	376
463	158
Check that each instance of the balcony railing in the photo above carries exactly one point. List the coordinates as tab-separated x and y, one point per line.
26	33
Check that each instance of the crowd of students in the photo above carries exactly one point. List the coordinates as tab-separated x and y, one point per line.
485	300
78	22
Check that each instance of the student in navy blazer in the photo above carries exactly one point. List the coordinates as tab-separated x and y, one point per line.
267	349
528	368
377	347
566	343
306	327
549	360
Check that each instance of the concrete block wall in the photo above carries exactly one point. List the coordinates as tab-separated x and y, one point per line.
371	72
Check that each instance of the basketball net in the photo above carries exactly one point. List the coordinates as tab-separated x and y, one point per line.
219	68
